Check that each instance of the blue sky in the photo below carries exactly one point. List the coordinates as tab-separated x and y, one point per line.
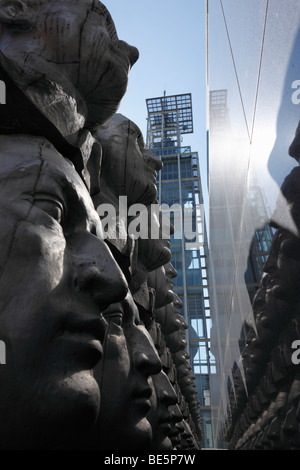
170	36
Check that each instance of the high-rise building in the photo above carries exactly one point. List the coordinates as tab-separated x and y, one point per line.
180	195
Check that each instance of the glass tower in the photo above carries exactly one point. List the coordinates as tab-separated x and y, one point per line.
180	197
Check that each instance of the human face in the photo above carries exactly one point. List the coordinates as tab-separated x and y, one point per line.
69	41
56	275
169	316
127	169
174	320
154	251
129	360
283	265
160	416
282	270
161	281
176	425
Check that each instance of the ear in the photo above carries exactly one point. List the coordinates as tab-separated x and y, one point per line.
13	11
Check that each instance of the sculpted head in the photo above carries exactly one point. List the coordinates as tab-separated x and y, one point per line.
128	168
169	315
160	416
130	359
127	180
56	276
154	251
72	43
161	279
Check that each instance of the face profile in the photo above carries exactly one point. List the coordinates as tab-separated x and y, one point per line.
56	276
154	251
127	167
82	370
130	358
160	415
161	279
67	42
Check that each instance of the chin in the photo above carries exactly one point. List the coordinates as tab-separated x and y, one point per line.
105	101
70	407
164	444
81	395
140	436
49	411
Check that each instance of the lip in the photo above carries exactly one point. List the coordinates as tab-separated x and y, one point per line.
165	428
83	348
153	174
141	400
166	242
174	432
82	338
177	310
142	406
114	309
85	324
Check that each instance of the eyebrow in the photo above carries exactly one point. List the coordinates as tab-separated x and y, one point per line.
67	187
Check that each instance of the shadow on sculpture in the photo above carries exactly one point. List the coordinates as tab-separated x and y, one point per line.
95	342
56	275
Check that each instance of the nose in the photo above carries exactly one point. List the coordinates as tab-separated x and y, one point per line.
176	414
177	302
152	160
165	392
170	270
145	358
270	266
131	51
294	150
96	271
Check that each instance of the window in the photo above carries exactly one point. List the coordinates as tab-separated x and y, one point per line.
186	168
170	193
170	170
193	268
177	263
188	193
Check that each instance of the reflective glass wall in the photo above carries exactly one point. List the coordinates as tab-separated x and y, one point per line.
254	110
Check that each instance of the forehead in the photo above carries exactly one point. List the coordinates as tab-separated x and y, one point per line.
94	7
120	125
32	164
19	153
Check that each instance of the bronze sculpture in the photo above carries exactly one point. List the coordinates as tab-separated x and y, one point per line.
85	350
53	288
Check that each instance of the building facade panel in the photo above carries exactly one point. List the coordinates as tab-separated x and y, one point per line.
254	73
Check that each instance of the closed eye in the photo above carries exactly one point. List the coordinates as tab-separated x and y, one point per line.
52	207
17	28
116	318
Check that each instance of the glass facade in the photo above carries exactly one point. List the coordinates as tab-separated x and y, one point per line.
254	108
179	185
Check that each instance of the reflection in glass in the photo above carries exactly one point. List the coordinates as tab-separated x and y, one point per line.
254	68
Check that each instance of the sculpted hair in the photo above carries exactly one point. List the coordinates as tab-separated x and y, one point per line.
16	11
